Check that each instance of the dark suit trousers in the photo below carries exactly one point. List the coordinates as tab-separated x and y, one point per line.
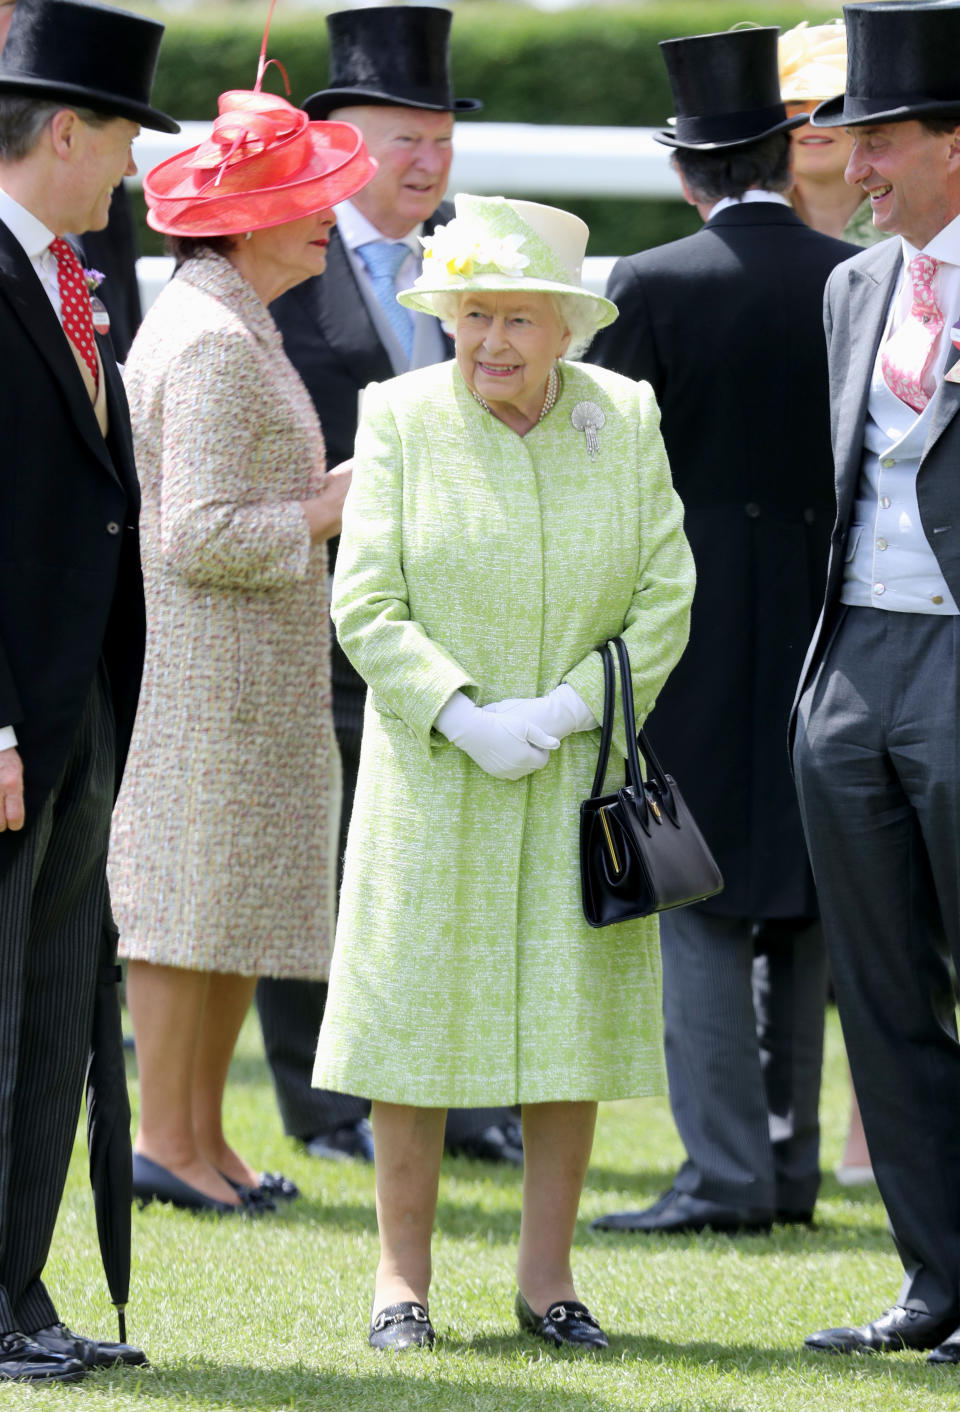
52	902
877	760
743	1005
291	1011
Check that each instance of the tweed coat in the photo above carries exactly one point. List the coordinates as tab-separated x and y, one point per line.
464	972
224	844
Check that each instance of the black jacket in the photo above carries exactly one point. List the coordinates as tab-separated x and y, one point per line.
727	327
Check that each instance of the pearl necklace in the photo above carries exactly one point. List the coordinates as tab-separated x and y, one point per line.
553	390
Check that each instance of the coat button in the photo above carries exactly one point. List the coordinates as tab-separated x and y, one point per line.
885	502
936	598
752	509
888	462
879	588
881	544
113	527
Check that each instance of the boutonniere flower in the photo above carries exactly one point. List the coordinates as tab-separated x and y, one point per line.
94	279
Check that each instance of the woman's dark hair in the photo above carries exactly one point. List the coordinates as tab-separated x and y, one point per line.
184	247
713	175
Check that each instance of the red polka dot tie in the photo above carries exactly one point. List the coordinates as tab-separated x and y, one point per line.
75	304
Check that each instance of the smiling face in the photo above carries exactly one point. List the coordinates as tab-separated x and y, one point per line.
414	149
817	153
506	345
911	175
99	158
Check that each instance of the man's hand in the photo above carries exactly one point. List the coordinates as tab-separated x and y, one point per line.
11	790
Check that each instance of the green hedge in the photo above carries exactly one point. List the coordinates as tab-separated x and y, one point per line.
597	65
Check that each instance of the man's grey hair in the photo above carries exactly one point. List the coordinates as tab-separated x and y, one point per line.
575	313
23	119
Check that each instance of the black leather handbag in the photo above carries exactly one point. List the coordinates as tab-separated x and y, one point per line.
640	849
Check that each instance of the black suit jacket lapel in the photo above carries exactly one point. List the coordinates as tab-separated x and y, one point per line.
345	321
28	300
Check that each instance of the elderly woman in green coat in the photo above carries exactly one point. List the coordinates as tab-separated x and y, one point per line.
509	511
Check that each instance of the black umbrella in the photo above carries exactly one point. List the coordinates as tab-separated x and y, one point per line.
108	1128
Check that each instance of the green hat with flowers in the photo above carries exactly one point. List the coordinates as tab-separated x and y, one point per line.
494	244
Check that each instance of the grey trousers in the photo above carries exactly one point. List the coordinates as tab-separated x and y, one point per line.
743	1005
877	761
52	905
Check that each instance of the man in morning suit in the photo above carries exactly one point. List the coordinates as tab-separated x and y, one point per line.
74	89
390	76
726	327
876	732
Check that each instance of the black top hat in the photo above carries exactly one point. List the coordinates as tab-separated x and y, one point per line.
903	61
91	55
398	55
726	88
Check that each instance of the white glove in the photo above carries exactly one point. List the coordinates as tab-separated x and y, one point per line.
560	713
502	747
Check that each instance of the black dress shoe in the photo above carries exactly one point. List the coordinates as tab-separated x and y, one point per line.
894	1331
400	1326
948	1351
151	1182
677	1212
350	1140
23	1360
278	1187
492	1144
566	1322
57	1338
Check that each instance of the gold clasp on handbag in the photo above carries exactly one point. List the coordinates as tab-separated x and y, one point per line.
609	837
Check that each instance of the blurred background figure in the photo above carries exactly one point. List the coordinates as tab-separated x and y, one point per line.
743	396
390	76
486	551
813	68
224	855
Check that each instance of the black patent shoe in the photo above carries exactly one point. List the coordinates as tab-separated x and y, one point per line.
895	1330
278	1187
400	1326
254	1198
151	1182
92	1353
23	1360
566	1322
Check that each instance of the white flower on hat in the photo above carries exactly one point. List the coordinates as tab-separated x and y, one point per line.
458	250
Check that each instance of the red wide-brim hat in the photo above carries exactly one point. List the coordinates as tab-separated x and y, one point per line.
264	164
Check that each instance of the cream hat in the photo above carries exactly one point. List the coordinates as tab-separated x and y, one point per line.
813	61
496	244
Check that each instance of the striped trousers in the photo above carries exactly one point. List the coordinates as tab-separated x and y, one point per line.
52	903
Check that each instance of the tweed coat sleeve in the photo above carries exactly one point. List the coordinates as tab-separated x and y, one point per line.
657	623
413	676
217	529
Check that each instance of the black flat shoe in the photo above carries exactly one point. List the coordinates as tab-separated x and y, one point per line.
278	1187
253	1197
400	1326
151	1182
566	1322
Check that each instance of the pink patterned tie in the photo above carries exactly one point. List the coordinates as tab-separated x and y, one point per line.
906	355
75	310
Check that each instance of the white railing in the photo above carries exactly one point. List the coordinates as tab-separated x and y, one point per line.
510	159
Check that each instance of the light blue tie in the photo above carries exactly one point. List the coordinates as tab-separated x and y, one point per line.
383	259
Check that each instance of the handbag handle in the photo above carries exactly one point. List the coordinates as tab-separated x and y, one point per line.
654	768
606	729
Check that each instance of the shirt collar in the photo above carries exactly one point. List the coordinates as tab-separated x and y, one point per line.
32	234
754	194
356	230
945	245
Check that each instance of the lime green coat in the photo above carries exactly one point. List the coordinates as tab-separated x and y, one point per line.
463	971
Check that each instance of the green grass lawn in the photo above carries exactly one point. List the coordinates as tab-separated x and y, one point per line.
272	1314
